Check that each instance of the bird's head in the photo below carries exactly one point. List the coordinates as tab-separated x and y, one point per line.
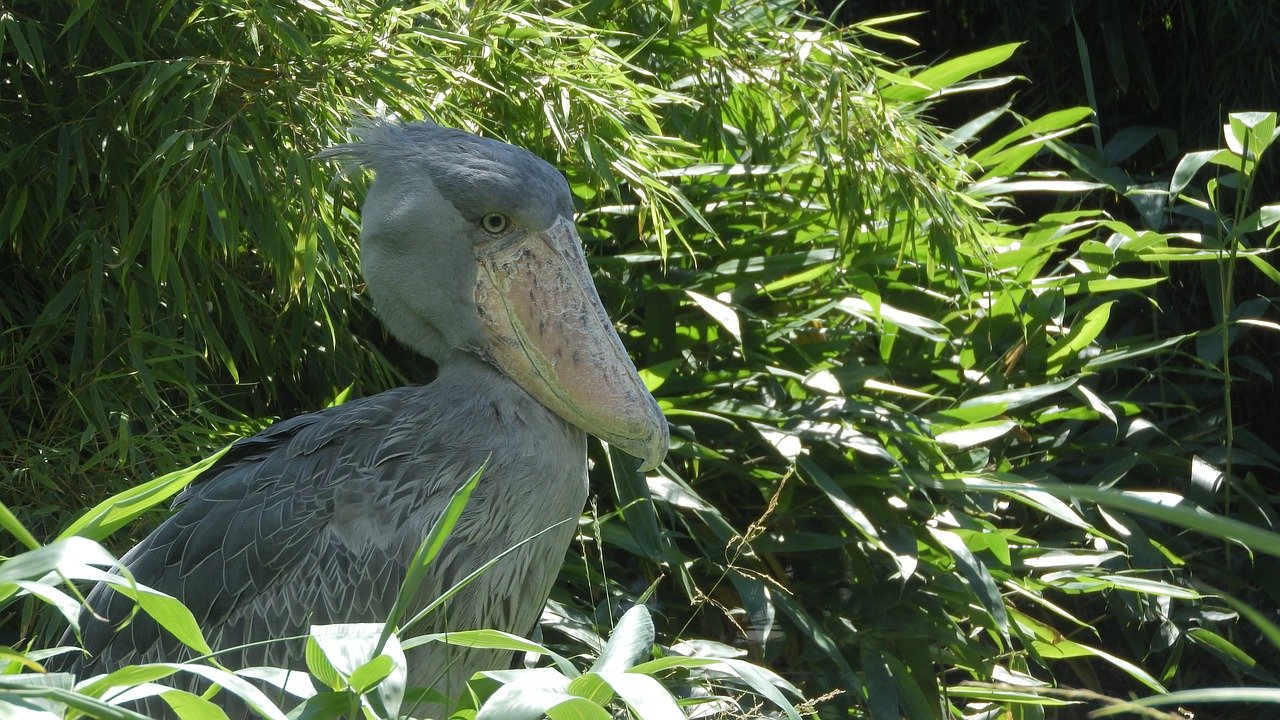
468	246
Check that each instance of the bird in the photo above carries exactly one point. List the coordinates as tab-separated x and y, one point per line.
472	259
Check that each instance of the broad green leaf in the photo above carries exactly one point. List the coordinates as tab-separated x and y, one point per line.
66	605
1004	187
1248	134
648	699
294	682
189	706
638	510
909	322
320	667
592	687
495	640
252	696
170	614
1152	587
128	676
327	705
1264	217
1007	695
1081	336
362	658
32	695
721	312
526	695
629	643
1070	558
1019	397
16	660
1050	123
577	709
657	665
371	673
1187	168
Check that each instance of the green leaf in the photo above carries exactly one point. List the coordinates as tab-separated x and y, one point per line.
252	696
1081	336
72	557
48	696
1165	507
975	434
360	657
1005	695
59	555
170	614
577	709
1188	166
1249	134
648	699
975	572
1189	697
1221	646
371	673
189	706
526	695
632	493
320	667
720	312
1010	399
765	682
123	508
593	688
628	644
1066	649
325	706
15	528
944	74
1056	123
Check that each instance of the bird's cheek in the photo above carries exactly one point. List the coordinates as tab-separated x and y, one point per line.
546	329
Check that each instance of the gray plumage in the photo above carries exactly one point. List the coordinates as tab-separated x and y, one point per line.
314	520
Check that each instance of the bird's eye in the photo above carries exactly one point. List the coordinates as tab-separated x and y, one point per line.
495	223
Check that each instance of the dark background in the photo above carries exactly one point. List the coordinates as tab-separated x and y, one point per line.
1177	65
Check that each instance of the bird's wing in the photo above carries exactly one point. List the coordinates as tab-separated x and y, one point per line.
276	535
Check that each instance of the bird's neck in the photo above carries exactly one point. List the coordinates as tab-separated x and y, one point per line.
471	373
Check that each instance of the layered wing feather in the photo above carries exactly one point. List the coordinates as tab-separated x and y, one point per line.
294	526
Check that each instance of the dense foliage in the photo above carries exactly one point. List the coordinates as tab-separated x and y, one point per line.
933	455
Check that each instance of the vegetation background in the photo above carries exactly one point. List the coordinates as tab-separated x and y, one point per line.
969	348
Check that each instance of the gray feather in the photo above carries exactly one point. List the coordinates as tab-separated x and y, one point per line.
314	520
309	523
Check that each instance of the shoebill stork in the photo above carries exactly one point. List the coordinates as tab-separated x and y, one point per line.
470	255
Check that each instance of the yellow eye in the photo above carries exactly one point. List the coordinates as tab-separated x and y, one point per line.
495	223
